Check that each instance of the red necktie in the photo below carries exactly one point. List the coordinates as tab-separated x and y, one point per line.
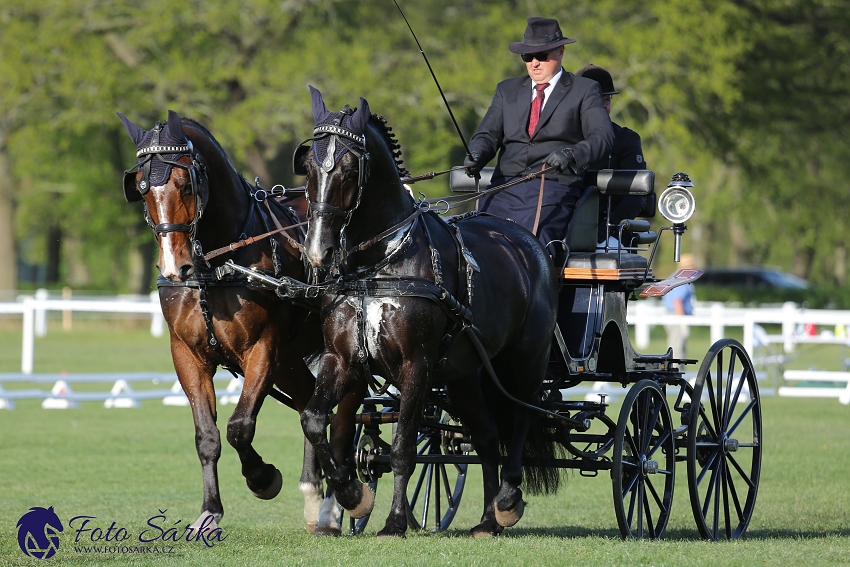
536	105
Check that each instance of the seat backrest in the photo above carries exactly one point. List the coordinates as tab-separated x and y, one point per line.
460	182
581	233
622	181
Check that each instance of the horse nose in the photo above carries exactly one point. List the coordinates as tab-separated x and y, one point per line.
186	271
322	258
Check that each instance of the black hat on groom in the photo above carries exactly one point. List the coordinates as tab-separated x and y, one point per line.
541	35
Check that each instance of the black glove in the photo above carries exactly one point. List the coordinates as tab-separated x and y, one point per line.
473	164
564	160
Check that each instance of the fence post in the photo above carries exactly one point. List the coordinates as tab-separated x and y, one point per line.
28	339
749	334
641	326
157	320
789	309
41	295
718	329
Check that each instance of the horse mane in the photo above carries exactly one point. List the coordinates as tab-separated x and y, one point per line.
380	123
203	129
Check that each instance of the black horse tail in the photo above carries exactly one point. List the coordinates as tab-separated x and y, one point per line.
541	451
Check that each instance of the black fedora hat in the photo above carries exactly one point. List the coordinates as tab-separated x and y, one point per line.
599	75
542	34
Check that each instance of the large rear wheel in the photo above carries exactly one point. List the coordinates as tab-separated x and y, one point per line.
436	487
644	462
724	442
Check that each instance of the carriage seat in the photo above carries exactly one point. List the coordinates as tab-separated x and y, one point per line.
460	182
584	262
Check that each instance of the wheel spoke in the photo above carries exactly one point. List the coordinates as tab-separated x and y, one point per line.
632	494
716	479
706	422
650	427
641	495
631	484
426	500
658	500
741	417
735	498
708	491
726	503
648	515
729	374
741	472
708	465
661	440
450	497
738	389
711	399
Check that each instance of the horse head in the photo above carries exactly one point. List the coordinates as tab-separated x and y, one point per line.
170	177
337	169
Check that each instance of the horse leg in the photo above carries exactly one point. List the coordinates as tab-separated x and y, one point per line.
412	391
335	380
341	436
264	480
509	505
467	400
518	369
198	385
310	486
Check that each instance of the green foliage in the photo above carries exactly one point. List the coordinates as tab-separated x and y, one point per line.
745	96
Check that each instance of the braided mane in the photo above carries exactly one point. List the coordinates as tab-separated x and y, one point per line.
395	147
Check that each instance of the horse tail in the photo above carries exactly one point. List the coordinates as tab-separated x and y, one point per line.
540	452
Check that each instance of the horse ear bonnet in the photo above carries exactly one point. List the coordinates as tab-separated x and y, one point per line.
159	170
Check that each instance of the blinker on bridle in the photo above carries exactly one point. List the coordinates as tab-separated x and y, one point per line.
134	192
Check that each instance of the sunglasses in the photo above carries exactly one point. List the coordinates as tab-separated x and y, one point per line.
542	57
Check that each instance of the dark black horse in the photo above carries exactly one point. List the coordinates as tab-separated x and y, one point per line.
410	292
194	196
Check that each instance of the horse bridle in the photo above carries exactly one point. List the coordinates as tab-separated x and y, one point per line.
339	134
136	192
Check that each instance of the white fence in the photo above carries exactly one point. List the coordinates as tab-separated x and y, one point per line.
642	314
35	309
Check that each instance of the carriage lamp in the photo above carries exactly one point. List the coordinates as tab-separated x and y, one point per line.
677	204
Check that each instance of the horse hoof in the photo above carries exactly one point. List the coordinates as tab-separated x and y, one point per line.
390	535
311	527
273	489
324	531
367	502
510	517
488	529
203	523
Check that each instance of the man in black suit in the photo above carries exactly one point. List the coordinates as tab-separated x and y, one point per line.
571	131
626	153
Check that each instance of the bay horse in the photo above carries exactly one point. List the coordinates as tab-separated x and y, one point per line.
418	301
195	198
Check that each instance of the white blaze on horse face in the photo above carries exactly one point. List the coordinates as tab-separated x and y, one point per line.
376	311
168	257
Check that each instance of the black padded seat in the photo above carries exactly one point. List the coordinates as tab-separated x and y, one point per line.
607	261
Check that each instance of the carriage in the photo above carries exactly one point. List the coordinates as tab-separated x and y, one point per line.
712	423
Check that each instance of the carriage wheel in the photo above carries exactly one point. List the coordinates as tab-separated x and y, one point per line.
436	487
363	443
644	462
724	442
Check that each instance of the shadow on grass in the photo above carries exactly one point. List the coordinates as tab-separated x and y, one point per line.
682	534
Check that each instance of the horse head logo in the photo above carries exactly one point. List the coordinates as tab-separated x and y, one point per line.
38	532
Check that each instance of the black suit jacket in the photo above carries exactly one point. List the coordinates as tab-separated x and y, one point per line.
573	116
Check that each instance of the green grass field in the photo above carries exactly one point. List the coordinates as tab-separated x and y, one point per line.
125	465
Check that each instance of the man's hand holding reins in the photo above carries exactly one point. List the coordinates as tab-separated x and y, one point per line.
564	160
